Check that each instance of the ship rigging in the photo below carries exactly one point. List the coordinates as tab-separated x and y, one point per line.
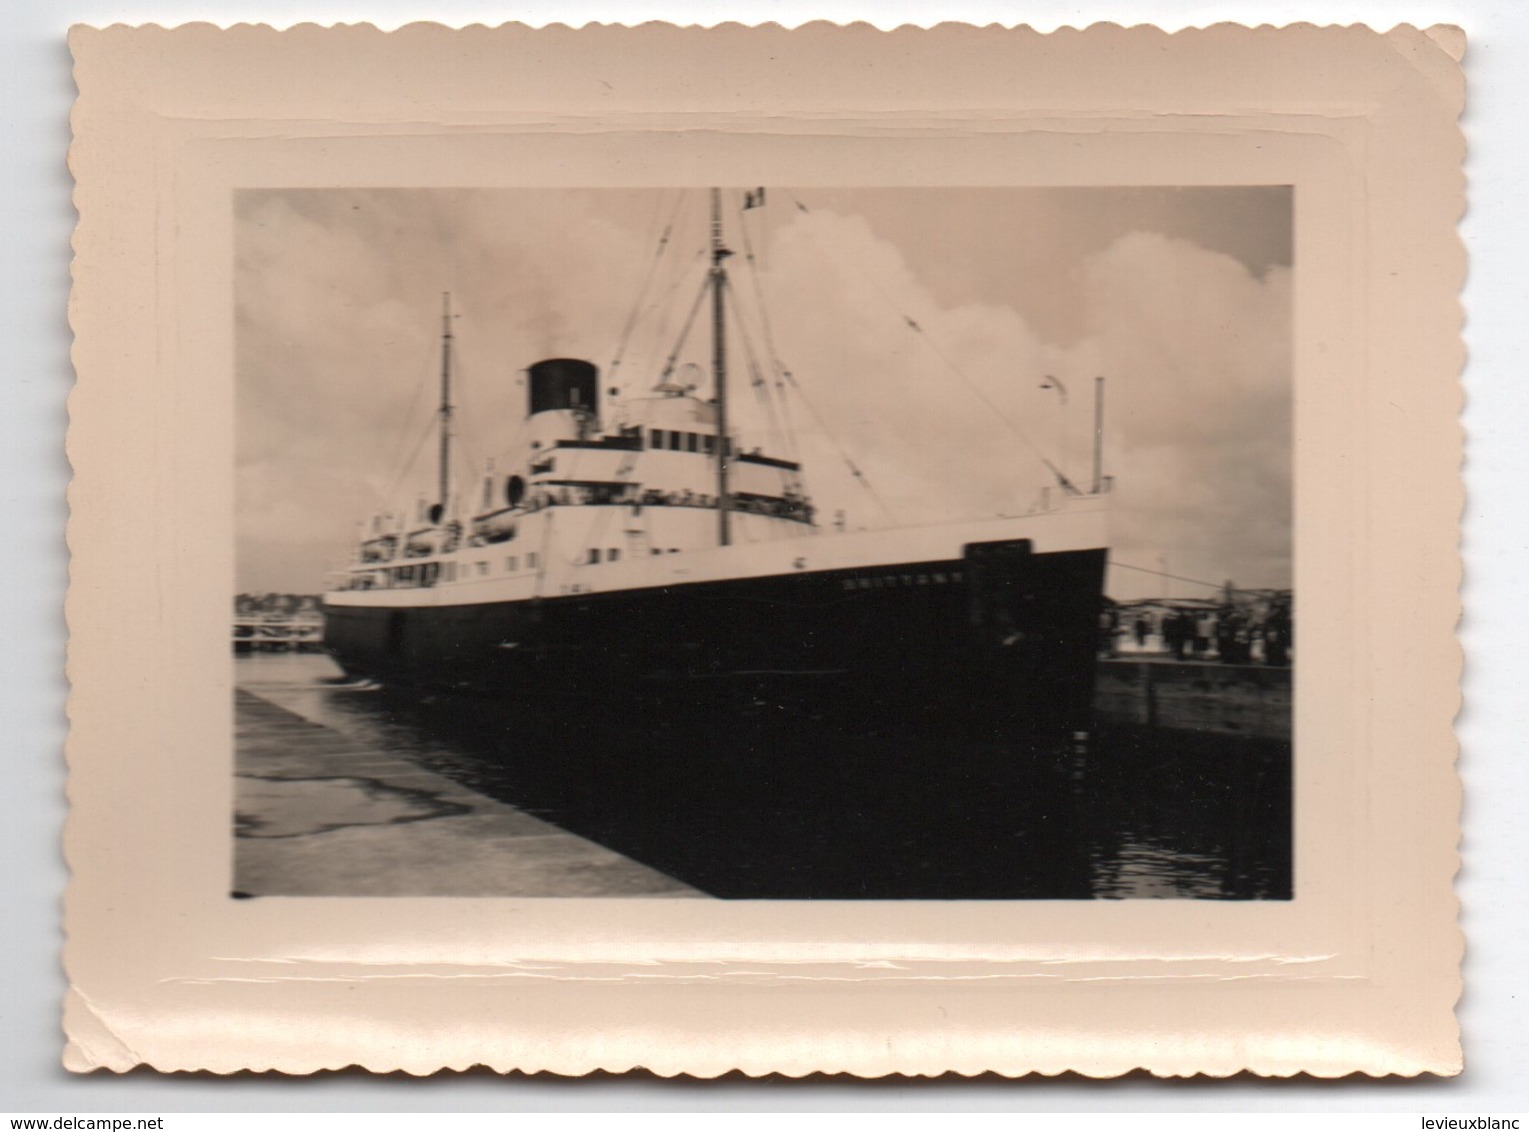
772	392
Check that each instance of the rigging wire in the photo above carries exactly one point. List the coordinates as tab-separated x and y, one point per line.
860	477
1179	577
469	463
647	282
756	378
785	413
403	474
661	325
950	364
784	377
679	345
776	368
498	502
401	430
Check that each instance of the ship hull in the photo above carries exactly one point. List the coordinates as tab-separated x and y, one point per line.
999	638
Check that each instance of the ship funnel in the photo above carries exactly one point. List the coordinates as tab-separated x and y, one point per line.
565	383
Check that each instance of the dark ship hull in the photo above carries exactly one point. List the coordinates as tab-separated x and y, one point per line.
1001	639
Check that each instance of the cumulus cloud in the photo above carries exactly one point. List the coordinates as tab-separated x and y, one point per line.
1198	354
952	417
940	404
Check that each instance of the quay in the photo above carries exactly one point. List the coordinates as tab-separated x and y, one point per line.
1206	697
321	813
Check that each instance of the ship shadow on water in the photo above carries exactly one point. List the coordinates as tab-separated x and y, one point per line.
754	797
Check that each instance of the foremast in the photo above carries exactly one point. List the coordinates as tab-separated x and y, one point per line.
443	496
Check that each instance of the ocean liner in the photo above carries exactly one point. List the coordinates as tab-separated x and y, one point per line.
633	549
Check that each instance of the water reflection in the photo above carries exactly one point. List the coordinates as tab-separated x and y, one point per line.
755	801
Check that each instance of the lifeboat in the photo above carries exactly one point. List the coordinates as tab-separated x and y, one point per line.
497	526
379	549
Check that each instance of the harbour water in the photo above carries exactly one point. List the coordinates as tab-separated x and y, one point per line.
764	804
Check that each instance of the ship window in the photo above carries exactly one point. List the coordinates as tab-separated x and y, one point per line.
451	571
692	442
657	551
531	560
613	554
594	554
709	444
676	441
482	568
512	564
655	438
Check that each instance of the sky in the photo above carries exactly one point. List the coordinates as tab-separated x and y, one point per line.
942	341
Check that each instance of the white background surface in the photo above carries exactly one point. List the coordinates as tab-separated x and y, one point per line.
37	220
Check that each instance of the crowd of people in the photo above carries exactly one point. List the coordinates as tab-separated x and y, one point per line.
286	605
277	623
1230	633
780	507
385	547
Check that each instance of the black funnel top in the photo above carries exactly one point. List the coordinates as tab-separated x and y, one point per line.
565	383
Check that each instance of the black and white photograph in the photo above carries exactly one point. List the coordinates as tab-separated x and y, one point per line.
764	542
762	551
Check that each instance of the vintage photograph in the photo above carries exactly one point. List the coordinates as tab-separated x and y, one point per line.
765	551
764	542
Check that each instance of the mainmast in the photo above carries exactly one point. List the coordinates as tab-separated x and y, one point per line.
719	360
445	412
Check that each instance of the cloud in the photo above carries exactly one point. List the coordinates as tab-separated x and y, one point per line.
939	406
338	343
1198	355
951	418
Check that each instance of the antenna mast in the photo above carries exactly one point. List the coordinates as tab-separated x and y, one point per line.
445	470
1098	435
719	360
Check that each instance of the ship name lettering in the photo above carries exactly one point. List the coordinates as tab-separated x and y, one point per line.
881	581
